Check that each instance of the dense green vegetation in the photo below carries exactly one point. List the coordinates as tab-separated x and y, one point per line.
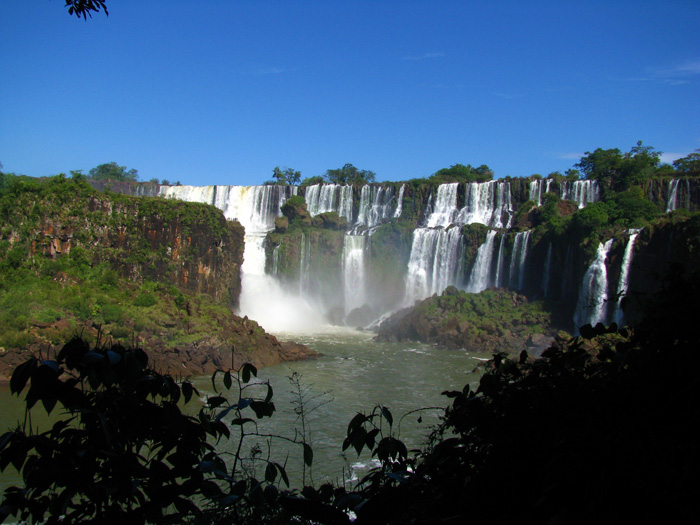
285	177
71	258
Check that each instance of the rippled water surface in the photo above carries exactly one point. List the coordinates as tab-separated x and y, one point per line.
354	374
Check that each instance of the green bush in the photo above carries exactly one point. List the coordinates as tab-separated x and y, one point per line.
145	300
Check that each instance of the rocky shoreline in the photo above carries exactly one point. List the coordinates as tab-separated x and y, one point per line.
495	320
239	341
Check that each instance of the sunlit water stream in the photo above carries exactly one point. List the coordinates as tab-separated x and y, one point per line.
354	374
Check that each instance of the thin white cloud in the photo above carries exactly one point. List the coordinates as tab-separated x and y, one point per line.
675	75
424	56
569	155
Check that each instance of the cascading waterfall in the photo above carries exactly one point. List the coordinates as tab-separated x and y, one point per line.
480	278
376	204
518	259
432	266
399	203
672	201
305	264
624	277
255	207
445	206
500	264
593	295
431	271
536	191
354	251
583	192
324	198
486	203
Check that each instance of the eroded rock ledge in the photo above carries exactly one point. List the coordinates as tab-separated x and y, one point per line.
491	321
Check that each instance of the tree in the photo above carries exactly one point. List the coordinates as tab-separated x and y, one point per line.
84	8
462	173
349	174
285	177
617	171
112	171
689	165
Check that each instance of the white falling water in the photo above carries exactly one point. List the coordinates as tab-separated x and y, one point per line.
255	207
433	263
376	203
399	205
591	307
672	201
480	277
486	203
583	192
501	263
354	252
305	264
518	259
324	198
445	206
624	277
536	187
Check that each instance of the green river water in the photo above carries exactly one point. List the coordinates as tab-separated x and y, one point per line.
354	374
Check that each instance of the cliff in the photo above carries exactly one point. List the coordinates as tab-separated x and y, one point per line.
158	272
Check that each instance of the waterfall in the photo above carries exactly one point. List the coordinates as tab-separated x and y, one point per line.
324	198
486	203
593	295
481	272
672	202
547	269
275	260
305	264
354	250
500	264
433	263
583	192
445	206
255	207
518	259
536	190
399	204
375	205
624	277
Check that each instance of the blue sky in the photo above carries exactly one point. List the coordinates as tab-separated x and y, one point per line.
221	92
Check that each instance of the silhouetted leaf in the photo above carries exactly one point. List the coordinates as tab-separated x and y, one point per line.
187	390
5	439
262	409
21	375
308	455
270	473
216	401
227	380
387	415
241	421
246	371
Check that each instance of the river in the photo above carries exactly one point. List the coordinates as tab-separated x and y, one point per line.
355	373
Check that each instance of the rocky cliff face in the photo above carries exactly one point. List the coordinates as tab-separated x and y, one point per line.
189	245
160	273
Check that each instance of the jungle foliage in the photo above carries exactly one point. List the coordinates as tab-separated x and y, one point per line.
53	284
